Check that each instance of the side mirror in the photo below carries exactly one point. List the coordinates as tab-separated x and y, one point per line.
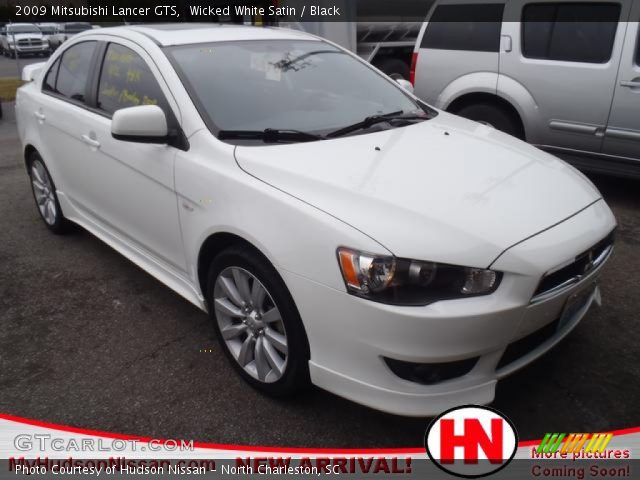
142	124
406	84
31	72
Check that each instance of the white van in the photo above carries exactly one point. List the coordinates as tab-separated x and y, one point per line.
565	76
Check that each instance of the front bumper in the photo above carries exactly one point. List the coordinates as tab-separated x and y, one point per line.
350	337
26	49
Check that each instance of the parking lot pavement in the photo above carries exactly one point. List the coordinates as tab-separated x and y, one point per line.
9	67
90	340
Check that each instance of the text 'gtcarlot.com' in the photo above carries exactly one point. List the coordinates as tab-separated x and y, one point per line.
46	442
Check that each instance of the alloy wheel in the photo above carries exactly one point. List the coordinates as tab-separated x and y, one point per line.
250	324
43	192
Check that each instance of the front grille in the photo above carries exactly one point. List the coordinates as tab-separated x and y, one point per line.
29	42
582	265
520	348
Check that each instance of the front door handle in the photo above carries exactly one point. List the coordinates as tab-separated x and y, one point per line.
506	43
40	116
92	142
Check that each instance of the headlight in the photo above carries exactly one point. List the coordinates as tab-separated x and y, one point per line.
401	281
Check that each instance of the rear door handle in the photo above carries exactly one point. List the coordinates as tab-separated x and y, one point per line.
630	83
90	141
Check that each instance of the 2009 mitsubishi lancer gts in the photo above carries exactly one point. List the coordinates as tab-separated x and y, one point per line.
338	230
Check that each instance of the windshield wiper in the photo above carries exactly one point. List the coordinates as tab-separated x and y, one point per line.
270	135
374	119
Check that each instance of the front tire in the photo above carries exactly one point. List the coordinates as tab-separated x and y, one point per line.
45	196
257	323
494	116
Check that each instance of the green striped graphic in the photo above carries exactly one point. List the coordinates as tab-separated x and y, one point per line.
551	442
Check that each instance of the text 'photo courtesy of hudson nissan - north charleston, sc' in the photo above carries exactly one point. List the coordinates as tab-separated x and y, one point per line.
337	229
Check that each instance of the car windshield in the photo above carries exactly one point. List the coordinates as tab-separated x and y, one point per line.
47	30
309	86
23	29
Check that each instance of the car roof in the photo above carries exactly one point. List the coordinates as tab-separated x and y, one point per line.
189	33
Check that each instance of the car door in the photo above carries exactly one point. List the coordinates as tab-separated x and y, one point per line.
62	108
622	137
563	57
128	187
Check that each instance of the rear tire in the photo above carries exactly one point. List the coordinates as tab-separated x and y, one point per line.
495	116
257	323
46	197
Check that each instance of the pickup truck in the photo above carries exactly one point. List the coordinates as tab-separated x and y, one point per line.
23	39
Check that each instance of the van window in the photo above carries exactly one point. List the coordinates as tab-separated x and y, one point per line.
465	27
571	32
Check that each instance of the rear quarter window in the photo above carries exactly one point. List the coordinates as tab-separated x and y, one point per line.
49	83
473	27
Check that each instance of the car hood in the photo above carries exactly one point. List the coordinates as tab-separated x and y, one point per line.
447	190
23	36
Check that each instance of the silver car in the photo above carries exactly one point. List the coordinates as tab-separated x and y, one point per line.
565	76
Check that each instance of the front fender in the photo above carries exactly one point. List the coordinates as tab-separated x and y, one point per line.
215	195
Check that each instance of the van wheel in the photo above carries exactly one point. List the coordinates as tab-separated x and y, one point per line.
494	116
257	323
396	69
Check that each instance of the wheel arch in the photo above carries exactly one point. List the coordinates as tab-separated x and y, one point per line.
220	241
28	151
216	243
475	98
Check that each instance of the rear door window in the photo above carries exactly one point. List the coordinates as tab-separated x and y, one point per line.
572	32
75	67
473	27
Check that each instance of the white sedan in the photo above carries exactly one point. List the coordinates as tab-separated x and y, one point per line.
338	230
